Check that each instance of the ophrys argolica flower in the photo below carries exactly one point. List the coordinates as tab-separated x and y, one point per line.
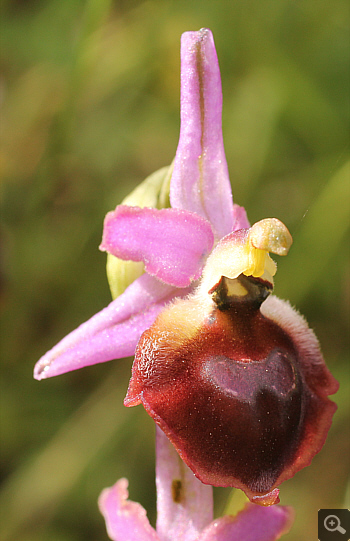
232	375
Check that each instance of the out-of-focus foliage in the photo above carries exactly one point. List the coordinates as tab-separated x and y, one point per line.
90	107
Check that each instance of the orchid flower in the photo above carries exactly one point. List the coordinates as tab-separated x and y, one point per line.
232	375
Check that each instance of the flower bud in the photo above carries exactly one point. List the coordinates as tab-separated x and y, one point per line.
152	192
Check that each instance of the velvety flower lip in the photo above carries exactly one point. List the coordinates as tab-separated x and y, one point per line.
236	379
185	509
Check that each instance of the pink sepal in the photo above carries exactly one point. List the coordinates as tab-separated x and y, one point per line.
200	180
110	334
125	520
253	523
184	504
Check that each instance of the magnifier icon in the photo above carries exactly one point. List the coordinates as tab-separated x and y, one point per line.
332	524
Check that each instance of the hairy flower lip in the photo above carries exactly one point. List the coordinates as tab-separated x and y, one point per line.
172	382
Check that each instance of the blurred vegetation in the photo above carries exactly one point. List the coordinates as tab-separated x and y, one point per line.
90	107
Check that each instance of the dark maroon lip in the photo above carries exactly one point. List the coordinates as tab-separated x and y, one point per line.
237	398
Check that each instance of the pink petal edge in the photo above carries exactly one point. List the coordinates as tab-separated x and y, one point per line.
184	504
200	180
110	334
253	523
240	220
125	520
172	243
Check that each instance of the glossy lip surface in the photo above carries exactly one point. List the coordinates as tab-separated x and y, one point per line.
234	399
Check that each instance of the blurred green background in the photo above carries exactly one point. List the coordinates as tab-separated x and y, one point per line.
90	107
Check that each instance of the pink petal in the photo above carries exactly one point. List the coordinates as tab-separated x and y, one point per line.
240	220
184	504
254	523
173	244
125	520
110	334
200	180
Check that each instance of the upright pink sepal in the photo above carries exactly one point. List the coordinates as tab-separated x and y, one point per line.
125	520
172	243
110	334
184	504
253	523
200	180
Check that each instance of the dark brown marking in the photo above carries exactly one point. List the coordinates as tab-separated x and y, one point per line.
176	490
